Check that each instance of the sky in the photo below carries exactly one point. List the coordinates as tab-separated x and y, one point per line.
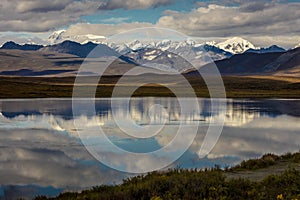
263	22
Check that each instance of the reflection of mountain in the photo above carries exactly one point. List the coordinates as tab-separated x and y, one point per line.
139	111
237	116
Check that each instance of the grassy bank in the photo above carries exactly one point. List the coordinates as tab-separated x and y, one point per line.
236	87
207	184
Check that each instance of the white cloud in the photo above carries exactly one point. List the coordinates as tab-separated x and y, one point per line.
115	20
133	4
264	24
248	20
102	29
215	20
41	16
41	6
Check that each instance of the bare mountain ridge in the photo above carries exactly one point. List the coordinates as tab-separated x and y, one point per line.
275	63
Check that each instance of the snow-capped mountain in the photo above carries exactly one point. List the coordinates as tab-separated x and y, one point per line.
135	45
298	45
56	36
61	35
120	48
236	45
159	59
167	54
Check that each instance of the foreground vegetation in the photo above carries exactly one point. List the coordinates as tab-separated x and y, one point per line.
236	87
204	184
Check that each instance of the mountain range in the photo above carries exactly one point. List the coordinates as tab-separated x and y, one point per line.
234	56
233	45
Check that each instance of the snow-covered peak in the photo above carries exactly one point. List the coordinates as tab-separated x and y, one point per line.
61	35
298	45
190	41
162	43
186	43
120	48
56	36
176	54
135	45
235	45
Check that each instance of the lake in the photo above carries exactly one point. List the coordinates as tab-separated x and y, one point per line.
47	148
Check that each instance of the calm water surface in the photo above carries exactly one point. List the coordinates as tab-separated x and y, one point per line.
41	152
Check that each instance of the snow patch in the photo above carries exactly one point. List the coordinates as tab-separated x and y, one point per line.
150	57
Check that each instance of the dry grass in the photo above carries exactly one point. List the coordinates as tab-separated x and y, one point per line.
236	86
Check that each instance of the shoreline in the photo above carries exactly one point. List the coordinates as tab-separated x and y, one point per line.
235	86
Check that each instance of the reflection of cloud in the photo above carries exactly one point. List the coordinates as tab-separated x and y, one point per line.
44	157
282	122
130	162
249	142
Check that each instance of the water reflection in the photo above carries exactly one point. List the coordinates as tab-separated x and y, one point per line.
41	153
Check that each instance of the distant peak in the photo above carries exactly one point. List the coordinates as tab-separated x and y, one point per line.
275	47
25	47
10	42
236	45
69	42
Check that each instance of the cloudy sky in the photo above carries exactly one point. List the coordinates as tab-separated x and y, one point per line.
263	22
